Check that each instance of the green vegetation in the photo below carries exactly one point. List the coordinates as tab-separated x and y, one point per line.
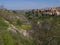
47	31
10	38
43	29
3	25
18	22
6	37
26	27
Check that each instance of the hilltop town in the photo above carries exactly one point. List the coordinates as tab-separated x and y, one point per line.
47	11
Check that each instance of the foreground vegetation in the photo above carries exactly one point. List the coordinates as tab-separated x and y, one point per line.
42	29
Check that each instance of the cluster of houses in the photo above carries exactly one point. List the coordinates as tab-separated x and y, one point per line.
50	11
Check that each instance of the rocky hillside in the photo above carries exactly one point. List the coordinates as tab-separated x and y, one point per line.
13	29
29	27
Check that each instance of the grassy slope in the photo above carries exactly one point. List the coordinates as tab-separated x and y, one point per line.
11	38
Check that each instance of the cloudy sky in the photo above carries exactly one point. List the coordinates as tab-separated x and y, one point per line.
29	4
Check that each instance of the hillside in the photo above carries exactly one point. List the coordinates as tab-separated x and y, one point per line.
30	27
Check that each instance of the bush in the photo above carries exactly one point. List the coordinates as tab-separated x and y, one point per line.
3	25
18	22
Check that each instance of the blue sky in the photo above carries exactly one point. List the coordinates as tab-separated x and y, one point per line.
29	4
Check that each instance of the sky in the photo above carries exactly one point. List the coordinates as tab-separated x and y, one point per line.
29	4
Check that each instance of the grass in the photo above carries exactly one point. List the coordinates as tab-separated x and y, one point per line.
26	27
7	39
